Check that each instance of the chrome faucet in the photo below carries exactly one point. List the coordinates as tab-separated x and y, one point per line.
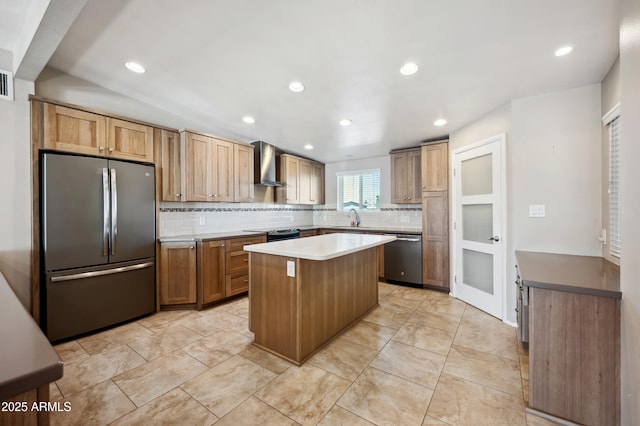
356	219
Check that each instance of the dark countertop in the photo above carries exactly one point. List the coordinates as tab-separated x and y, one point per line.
591	275
27	359
258	232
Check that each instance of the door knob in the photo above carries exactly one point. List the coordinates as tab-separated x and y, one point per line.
495	238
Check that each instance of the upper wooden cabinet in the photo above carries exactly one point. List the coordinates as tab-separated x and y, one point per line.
208	168
406	177
171	166
72	130
435	166
302	179
243	173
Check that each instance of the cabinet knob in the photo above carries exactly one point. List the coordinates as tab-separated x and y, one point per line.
221	245
210	195
110	149
246	281
101	148
191	248
178	195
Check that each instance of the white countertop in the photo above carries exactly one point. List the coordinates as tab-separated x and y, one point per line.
321	247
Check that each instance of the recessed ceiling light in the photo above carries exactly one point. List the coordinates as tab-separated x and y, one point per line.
345	122
135	67
308	146
565	50
440	122
296	86
248	119
409	68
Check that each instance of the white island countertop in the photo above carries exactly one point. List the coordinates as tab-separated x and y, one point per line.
321	247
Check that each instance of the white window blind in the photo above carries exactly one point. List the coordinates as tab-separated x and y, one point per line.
359	190
614	187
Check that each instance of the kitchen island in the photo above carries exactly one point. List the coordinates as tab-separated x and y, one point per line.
304	292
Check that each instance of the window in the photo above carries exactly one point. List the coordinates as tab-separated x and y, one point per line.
612	121
359	190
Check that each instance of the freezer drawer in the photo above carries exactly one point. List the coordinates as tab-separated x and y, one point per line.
84	300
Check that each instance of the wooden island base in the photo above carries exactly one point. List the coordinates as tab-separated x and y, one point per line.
294	317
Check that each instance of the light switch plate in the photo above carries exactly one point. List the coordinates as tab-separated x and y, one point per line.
291	268
536	210
201	220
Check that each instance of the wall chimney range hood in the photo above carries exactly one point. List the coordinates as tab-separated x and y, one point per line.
265	164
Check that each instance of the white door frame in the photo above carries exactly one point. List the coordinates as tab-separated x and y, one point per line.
501	139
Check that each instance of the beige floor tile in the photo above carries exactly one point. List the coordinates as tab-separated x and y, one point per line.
410	293
476	318
265	359
486	369
338	416
239	307
343	358
525	390
411	363
369	334
385	289
216	318
54	392
399	303
149	381
434	294
255	412
90	371
425	337
304	394
524	365
459	402
388	316
487	340
431	421
71	351
218	347
173	408
451	306
434	319
228	384
533	420
164	341
106	340
98	405
164	319
383	398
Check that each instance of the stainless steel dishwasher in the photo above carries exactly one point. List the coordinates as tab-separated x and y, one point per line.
403	259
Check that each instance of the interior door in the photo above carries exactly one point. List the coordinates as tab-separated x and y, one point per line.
479	247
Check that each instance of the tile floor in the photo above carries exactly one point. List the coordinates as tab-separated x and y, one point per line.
420	358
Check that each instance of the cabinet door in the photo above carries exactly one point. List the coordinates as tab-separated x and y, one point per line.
67	129
317	184
435	167
129	141
211	271
291	173
198	161
414	176
222	177
243	173
171	164
399	178
435	239
177	273
304	181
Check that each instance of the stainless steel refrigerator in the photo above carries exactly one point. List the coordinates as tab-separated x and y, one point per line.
98	242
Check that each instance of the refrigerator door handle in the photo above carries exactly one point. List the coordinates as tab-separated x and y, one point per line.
105	212
114	211
92	274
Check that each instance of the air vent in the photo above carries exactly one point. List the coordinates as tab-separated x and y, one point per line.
6	85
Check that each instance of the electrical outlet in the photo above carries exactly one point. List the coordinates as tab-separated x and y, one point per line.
291	268
201	220
404	219
536	210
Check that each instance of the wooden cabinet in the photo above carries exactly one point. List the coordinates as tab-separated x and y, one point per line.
309	233
237	268
208	168
177	273
211	272
72	130
435	167
243	173
302	179
171	166
406	177
435	213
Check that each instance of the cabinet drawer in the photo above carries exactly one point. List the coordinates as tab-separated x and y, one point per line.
237	244
237	283
312	233
237	262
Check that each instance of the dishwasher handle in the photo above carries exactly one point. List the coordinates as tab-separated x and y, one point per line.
409	238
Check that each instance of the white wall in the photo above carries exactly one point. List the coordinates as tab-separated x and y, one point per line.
630	227
15	192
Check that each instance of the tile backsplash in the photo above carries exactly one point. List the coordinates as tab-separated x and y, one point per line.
203	218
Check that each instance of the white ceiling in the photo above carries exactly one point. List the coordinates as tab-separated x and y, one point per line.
215	61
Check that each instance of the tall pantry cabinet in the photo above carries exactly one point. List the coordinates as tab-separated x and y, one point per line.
435	213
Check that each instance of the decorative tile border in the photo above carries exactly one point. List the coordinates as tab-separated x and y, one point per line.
277	209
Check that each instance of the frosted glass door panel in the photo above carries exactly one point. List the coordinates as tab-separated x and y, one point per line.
477	270
477	222
477	176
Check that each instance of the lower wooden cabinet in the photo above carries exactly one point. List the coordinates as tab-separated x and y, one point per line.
177	273
196	275
435	238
